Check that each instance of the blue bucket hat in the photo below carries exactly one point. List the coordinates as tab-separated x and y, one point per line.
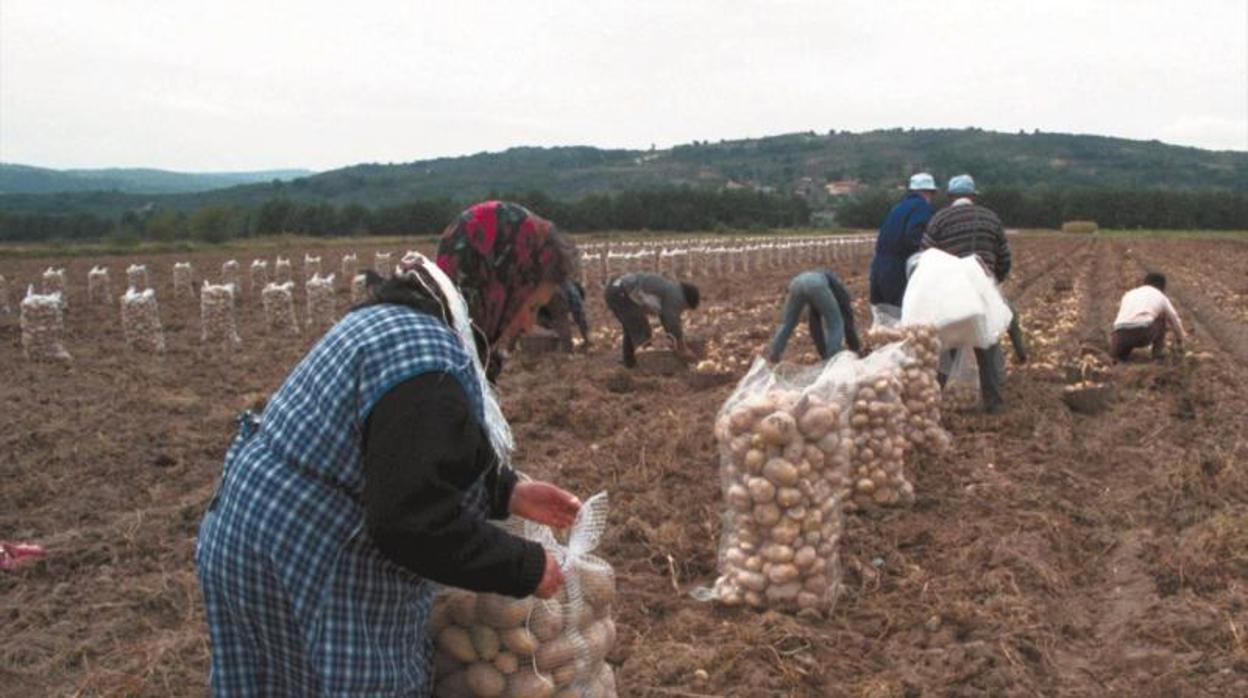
962	184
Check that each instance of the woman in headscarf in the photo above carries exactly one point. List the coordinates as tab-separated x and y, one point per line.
370	475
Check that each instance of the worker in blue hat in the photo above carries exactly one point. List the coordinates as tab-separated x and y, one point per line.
900	237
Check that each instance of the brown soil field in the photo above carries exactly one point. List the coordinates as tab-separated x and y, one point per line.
1048	553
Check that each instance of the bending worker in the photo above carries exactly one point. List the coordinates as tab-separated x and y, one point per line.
900	237
1145	315
565	308
831	314
369	477
633	297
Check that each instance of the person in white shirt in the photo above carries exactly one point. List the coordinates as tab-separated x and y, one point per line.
1145	315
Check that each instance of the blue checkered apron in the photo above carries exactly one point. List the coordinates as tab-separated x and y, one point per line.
299	601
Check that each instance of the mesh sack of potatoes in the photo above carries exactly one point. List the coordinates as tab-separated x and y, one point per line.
322	307
136	276
54	283
259	275
4	296
43	326
99	286
311	267
140	321
279	308
183	288
281	270
230	274
382	264
216	311
359	289
490	645
792	442
921	390
349	266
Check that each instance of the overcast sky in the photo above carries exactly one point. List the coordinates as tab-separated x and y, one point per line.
258	84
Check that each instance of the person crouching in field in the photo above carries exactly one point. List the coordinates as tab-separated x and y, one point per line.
368	479
1145	315
566	306
633	297
831	314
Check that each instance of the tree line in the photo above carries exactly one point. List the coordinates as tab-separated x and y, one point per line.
677	208
1109	207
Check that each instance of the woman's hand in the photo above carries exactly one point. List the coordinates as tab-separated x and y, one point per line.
552	579
544	503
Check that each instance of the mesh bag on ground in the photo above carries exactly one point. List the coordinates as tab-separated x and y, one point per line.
140	321
183	288
311	267
54	283
382	264
322	307
99	286
359	289
4	296
43	326
349	266
216	310
490	645
137	278
797	443
281	270
920	389
259	275
230	275
279	308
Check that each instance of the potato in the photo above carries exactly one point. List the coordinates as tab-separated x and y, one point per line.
753	598
761	490
773	552
529	684
816	422
484	641
439	617
865	486
564	675
485	680
777	428
751	581
507	663
786	532
738	497
503	612
783	574
807	600
544	623
754	460
456	642
780	472
520	641
455	685
754	563
805	557
783	592
462	607
555	653
598	587
766	514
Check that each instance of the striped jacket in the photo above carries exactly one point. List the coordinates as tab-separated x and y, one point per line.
965	229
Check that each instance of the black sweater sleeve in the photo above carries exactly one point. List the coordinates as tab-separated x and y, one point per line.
423	450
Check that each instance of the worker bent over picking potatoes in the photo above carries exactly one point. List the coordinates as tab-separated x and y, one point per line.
964	229
633	297
1145	315
369	477
831	314
566	307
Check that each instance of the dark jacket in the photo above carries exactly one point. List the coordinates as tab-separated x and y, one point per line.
901	235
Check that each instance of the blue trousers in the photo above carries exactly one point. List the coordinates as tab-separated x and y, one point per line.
827	328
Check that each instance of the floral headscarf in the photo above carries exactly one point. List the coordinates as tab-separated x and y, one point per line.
497	253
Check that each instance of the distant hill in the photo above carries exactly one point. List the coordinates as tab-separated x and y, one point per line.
787	163
24	179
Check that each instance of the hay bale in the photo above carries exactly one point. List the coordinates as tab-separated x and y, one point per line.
140	321
279	308
99	286
183	287
1080	227
43	326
